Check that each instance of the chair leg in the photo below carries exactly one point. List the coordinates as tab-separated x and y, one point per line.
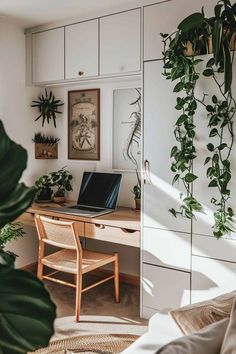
116	278
78	295
40	264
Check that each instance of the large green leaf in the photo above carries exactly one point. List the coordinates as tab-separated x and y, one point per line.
192	21
14	198
217	38
26	312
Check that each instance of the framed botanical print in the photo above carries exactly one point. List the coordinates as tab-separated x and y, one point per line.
84	124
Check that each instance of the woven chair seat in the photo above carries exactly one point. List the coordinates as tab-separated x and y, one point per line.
66	260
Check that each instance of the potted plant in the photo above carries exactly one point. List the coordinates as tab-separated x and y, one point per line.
46	147
44	190
137	196
48	107
62	180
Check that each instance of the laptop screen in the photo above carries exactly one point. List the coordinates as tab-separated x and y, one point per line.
99	189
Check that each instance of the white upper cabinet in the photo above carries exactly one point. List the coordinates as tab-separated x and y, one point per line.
120	43
48	55
81	50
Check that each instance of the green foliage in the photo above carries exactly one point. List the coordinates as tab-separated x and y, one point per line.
137	191
43	182
62	180
183	69
11	231
48	107
196	30
220	121
26	310
40	138
15	197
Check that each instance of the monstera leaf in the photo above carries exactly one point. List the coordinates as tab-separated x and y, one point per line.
26	310
15	197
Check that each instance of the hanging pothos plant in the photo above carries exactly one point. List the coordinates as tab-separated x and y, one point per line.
197	35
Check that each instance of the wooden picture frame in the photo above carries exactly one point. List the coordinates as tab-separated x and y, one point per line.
84	124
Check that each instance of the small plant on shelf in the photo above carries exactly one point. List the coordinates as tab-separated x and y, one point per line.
40	138
137	192
48	107
62	180
45	146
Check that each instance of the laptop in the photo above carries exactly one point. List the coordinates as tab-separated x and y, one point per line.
98	195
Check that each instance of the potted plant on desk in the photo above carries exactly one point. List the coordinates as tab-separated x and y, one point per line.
62	180
44	190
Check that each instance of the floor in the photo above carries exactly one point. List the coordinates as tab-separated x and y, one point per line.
99	312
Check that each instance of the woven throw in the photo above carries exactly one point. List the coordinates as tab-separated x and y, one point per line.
90	344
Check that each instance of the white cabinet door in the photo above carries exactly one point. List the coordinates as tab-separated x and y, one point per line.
159	119
81	49
165	288
209	246
164	18
167	248
120	37
211	277
48	55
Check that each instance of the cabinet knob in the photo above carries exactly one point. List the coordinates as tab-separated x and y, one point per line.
80	73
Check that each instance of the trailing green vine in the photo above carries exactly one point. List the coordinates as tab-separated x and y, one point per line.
183	69
220	121
195	32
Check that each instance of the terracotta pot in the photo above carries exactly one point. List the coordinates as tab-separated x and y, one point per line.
137	203
59	200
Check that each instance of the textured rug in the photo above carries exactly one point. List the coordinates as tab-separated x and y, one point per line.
100	344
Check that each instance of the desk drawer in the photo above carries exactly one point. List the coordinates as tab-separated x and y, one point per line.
113	234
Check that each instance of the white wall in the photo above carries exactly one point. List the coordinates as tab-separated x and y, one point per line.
16	115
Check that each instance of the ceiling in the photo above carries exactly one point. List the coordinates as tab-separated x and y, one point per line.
30	13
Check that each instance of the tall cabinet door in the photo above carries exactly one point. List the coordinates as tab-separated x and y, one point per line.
159	118
120	43
48	55
81	53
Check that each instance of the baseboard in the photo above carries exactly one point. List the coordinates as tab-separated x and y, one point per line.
124	278
31	267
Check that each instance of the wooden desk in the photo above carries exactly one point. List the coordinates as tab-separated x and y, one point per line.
121	226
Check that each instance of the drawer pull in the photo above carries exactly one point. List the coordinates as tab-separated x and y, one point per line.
81	73
100	226
128	231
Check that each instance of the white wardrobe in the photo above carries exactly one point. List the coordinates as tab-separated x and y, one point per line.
181	261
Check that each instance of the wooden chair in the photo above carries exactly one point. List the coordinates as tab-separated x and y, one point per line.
71	258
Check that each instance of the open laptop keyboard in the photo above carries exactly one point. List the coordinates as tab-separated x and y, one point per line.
79	207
